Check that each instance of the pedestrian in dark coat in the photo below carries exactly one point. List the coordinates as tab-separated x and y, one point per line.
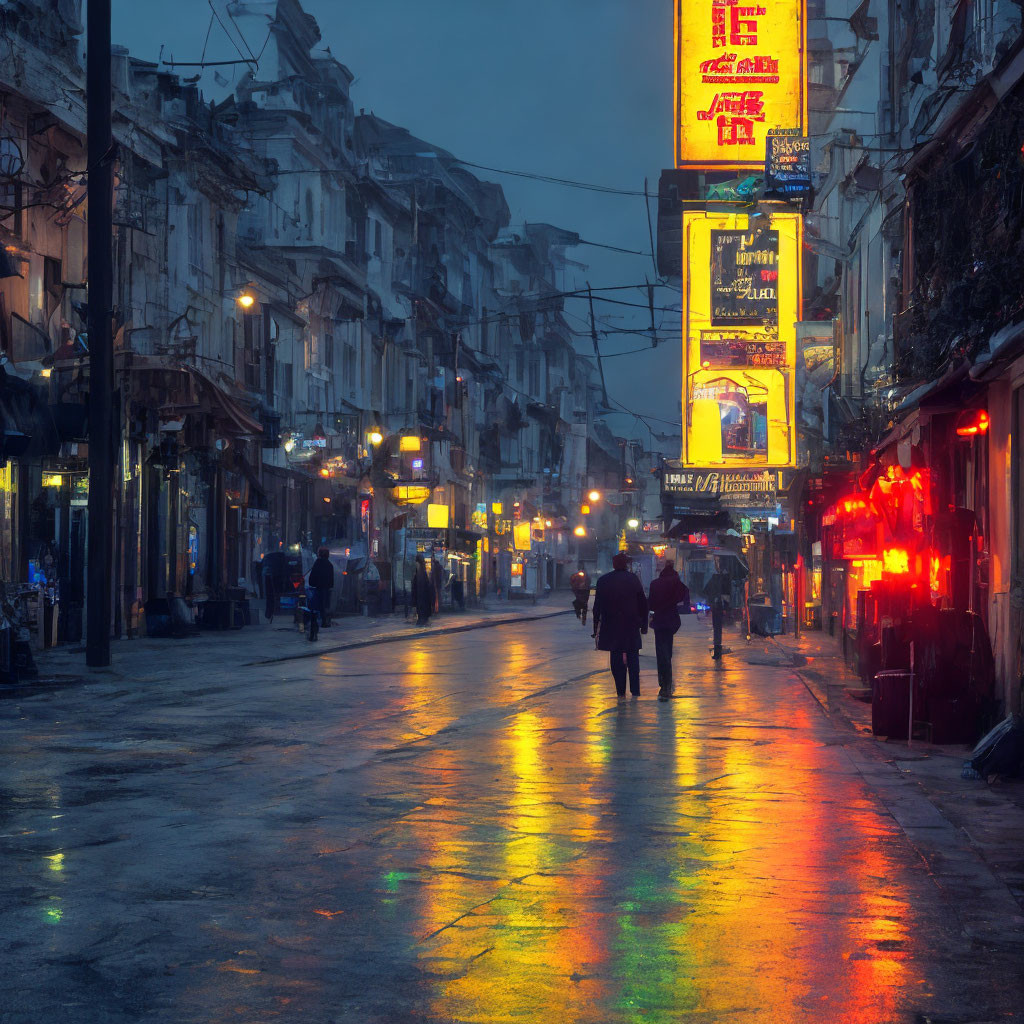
717	590
437	575
620	616
320	583
667	592
580	584
423	595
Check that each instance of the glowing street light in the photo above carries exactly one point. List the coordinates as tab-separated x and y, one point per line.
585	510
594	495
246	300
375	437
633	524
580	531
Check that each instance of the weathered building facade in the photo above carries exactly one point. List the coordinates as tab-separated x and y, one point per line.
326	331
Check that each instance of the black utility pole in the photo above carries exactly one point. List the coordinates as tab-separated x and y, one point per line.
101	356
597	346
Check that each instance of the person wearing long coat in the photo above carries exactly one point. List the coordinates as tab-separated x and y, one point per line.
667	592
716	591
423	595
321	583
620	617
580	585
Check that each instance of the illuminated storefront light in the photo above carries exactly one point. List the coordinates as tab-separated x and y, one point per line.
972	422
437	517
522	537
896	561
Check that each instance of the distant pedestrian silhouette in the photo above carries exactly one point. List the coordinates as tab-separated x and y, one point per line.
580	584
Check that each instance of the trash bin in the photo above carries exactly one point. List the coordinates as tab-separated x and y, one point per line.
890	704
765	620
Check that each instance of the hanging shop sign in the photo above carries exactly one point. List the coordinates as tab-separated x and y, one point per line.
739	74
787	164
741	304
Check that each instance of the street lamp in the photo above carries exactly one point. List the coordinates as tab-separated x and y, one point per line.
594	495
375	437
633	524
246	300
580	531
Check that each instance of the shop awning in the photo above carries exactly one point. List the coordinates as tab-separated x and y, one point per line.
697	522
26	423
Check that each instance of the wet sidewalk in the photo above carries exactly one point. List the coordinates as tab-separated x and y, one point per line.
149	658
986	817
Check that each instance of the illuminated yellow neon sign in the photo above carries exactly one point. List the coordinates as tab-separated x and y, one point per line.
739	72
741	301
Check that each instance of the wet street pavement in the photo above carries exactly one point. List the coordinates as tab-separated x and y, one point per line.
470	828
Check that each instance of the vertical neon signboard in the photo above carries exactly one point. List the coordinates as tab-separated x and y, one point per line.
739	72
741	301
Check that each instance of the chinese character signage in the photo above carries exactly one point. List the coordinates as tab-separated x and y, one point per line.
744	278
741	304
739	74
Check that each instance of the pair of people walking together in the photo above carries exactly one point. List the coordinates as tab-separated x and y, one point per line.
623	613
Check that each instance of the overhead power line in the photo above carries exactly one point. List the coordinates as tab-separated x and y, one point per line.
220	21
551	179
614	248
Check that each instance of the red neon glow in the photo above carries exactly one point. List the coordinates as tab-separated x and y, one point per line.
972	422
896	561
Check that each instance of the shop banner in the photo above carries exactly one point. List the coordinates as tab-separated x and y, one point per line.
711	483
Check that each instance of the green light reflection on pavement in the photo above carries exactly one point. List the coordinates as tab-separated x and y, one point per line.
393	879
